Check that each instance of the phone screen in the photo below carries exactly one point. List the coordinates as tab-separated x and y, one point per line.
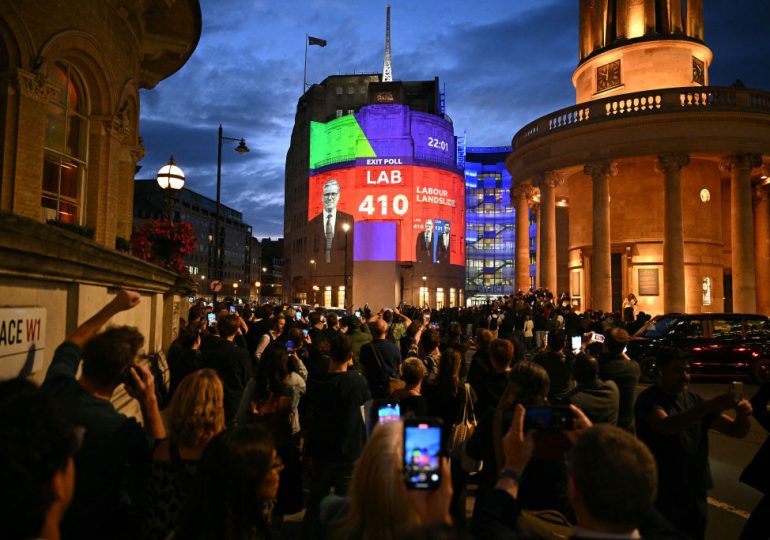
422	444
298	315
576	342
599	338
233	309
358	313
304	331
212	319
290	346
548	419
388	412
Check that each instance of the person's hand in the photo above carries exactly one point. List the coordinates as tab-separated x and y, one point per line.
433	505
125	300
581	424
743	407
143	389
517	445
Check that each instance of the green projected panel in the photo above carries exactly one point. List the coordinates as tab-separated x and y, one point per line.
340	140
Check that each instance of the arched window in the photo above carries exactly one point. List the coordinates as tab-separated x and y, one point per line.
66	147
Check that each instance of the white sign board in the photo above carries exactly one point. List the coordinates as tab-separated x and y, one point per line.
22	340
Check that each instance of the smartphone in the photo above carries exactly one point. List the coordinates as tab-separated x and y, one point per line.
212	319
388	412
127	379
422	446
357	314
289	347
434	325
598	338
233	309
299	315
305	332
736	390
576	343
549	419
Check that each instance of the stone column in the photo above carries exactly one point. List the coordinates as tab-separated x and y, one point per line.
601	267
762	247
522	195
742	231
673	235
548	184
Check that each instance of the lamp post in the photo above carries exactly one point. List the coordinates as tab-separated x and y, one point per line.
312	271
241	149
171	179
346	228
257	284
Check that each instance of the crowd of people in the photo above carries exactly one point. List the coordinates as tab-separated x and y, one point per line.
266	414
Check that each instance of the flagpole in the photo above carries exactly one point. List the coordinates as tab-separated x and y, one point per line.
304	80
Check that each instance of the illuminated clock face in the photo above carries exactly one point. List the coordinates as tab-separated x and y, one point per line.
608	76
698	71
705	195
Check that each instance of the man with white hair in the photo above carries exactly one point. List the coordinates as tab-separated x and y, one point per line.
329	226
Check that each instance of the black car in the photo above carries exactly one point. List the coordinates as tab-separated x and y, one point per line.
730	345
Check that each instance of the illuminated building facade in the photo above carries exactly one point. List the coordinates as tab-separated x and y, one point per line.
665	176
490	223
374	197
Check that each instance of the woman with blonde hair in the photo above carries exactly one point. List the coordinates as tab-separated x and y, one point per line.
396	511
196	414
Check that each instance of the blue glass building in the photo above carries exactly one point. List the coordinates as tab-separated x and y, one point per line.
490	221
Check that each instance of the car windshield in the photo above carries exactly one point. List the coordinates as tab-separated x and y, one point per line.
658	328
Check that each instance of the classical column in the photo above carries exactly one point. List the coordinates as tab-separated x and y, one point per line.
742	231
548	184
762	247
673	233
601	267
522	195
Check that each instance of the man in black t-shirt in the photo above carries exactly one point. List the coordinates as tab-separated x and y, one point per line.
674	423
335	429
114	445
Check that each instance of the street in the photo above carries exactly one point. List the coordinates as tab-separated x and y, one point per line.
730	502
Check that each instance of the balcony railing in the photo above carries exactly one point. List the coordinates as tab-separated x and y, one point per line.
668	100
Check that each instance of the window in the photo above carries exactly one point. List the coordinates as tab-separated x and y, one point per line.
338	113
66	144
339	90
351	111
706	286
328	295
439	298
341	296
351	90
362	89
424	296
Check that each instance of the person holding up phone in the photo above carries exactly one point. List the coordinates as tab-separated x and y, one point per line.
418	496
674	423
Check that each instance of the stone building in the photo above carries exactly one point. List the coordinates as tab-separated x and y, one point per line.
665	177
69	144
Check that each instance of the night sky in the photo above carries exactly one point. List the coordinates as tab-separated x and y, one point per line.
502	64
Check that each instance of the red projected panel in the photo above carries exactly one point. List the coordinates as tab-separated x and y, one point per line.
426	204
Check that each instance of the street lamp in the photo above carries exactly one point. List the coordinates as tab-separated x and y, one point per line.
257	284
171	179
241	149
312	271
346	228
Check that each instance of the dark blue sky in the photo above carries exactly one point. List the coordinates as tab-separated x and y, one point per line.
503	63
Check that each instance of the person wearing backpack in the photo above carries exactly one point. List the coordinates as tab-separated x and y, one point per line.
381	361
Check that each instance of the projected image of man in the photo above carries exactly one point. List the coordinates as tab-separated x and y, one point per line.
424	248
329	223
442	245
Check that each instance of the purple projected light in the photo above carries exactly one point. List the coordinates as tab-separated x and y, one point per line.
397	131
374	241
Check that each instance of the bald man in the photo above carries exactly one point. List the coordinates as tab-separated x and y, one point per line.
381	360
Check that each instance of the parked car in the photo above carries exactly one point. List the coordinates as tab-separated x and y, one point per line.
730	345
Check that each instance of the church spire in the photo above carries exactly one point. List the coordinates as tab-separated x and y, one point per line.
387	69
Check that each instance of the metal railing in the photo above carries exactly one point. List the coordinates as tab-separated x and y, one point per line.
667	100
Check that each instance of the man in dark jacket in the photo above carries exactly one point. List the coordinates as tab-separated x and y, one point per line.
615	366
558	367
336	432
381	360
231	362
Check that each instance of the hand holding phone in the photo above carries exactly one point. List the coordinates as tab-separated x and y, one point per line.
736	390
212	319
549	419
598	338
290	347
422	447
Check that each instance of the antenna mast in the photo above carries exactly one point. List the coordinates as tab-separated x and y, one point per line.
387	69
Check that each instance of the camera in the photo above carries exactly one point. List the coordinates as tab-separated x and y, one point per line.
127	379
549	419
